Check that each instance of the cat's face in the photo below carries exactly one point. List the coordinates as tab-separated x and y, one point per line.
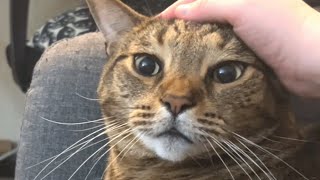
179	88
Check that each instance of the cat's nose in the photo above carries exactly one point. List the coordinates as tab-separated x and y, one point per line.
177	104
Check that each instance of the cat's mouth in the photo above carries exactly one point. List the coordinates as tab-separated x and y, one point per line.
173	132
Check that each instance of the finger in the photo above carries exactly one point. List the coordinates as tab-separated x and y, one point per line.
169	12
210	10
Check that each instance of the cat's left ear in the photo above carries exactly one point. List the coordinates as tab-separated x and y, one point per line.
113	18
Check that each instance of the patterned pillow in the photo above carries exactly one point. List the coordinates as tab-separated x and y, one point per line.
67	25
79	21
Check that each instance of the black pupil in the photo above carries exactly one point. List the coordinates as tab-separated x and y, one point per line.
147	66
226	74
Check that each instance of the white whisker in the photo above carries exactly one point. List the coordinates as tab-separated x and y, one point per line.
299	140
220	158
236	150
208	154
109	163
266	151
69	157
87	129
273	140
105	153
73	146
136	139
270	173
231	156
87	160
243	160
80	149
90	99
74	123
66	150
99	150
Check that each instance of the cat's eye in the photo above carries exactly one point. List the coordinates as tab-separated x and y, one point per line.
147	65
228	72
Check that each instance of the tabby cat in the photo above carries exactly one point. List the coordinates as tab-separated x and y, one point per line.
190	101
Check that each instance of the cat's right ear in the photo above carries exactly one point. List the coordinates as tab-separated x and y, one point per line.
113	18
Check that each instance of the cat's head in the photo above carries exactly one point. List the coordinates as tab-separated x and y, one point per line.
175	88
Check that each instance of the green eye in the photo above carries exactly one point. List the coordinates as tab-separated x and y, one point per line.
147	65
228	72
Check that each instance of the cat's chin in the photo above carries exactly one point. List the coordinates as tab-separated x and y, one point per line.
169	148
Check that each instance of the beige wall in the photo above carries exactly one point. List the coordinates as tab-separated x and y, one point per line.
11	99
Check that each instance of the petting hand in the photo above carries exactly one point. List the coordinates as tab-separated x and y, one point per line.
284	33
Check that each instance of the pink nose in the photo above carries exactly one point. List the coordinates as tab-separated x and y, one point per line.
177	104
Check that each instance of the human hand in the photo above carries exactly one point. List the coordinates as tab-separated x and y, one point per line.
284	33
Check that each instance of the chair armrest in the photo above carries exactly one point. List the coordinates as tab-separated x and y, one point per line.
18	25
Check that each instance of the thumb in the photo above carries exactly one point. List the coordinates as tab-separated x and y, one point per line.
209	10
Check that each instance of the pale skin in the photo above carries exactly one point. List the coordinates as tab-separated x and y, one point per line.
284	33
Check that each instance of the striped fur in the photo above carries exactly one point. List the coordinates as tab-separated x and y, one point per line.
226	122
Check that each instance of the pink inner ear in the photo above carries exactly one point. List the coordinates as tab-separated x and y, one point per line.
113	17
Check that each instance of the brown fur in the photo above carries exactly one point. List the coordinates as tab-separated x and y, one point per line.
255	106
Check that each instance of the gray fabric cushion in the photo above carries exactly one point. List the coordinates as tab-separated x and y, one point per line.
67	73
